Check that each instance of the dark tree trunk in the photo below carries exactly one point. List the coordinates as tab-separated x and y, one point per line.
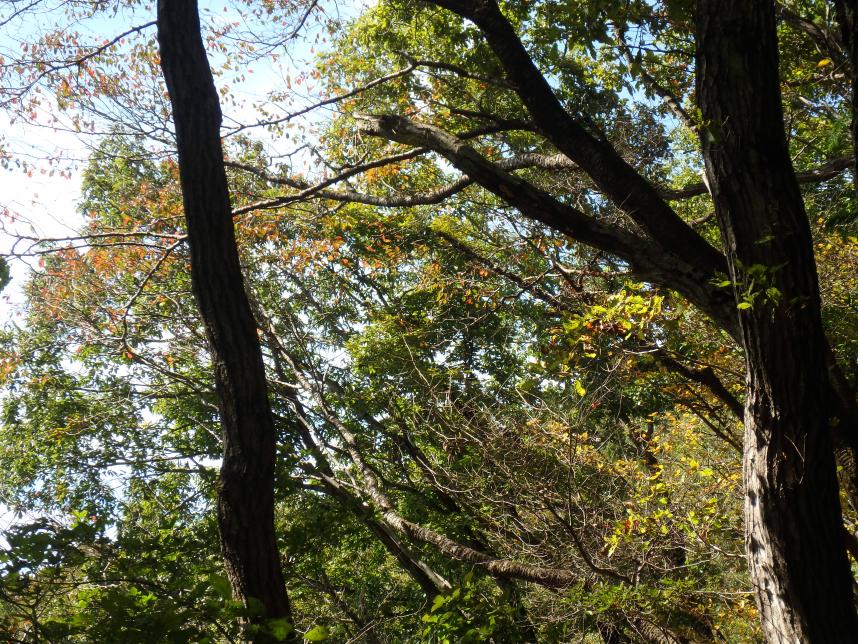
793	521
246	491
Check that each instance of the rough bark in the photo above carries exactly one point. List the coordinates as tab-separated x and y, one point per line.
844	51
794	528
246	488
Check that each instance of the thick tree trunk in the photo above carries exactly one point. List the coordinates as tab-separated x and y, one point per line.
793	521
246	492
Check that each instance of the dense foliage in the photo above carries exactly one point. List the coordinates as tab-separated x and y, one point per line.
487	430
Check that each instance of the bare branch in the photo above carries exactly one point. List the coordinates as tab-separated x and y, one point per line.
328	101
544	161
824	172
456	69
303	19
311	191
672	102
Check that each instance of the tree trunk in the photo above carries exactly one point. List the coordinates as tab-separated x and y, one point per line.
246	489
794	528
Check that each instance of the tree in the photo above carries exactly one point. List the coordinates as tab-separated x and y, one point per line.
490	362
765	230
423	450
791	504
246	493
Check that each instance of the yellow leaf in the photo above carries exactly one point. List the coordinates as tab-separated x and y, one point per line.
824	62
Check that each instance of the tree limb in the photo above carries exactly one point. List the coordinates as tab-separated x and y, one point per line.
648	259
623	185
824	172
430	197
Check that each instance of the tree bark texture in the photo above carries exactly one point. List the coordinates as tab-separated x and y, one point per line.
246	487
794	539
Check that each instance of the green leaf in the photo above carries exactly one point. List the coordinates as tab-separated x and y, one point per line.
317	634
280	628
4	274
220	585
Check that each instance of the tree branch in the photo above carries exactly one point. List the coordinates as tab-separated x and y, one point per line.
649	80
627	189
827	41
824	172
528	160
648	259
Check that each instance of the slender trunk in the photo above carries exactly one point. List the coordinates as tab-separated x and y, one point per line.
246	490
794	528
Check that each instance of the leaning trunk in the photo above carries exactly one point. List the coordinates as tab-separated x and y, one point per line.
246	490
794	528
